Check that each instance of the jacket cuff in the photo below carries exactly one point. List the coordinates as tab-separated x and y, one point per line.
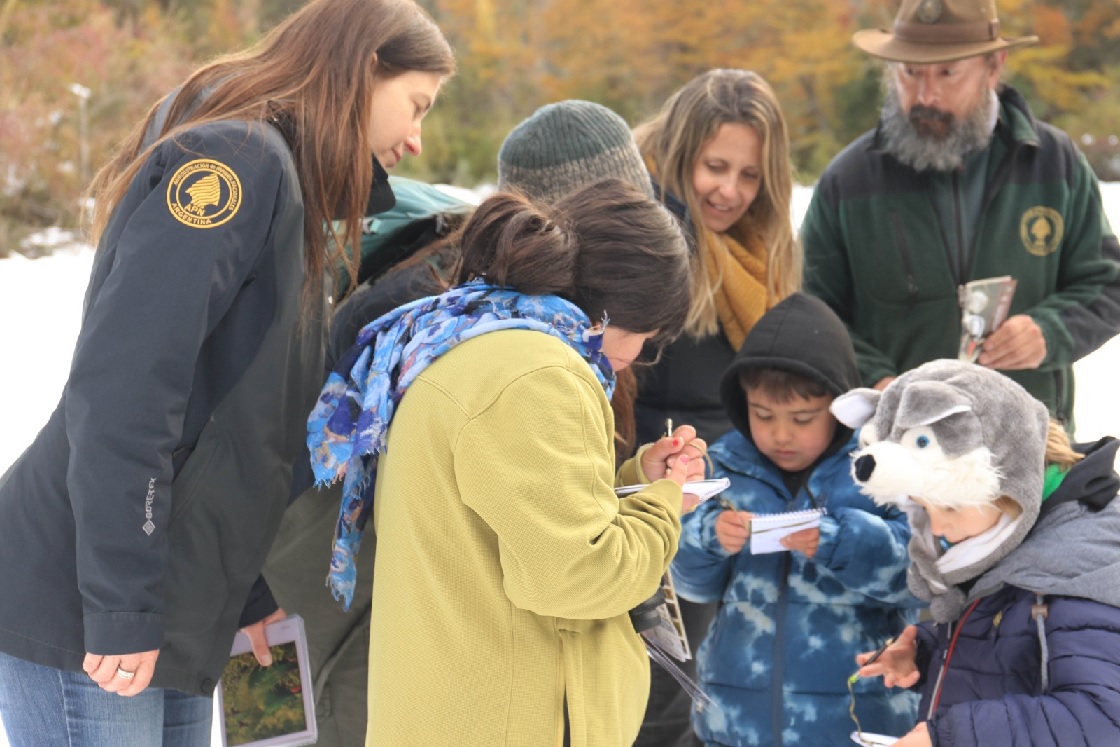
259	605
829	539
710	540
118	633
630	473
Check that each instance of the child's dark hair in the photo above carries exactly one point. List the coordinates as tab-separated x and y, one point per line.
781	385
608	248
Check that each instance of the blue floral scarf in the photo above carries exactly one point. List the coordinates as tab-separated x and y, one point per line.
347	429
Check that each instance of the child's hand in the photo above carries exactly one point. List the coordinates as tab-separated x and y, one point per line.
918	737
804	542
896	665
732	529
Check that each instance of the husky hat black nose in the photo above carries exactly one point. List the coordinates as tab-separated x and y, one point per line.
952	433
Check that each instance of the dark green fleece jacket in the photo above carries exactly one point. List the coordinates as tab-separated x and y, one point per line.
877	253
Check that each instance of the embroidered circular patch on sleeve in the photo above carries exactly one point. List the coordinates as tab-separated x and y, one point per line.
204	194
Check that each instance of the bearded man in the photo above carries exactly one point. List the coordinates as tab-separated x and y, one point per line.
959	182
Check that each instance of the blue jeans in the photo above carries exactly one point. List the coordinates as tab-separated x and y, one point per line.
43	706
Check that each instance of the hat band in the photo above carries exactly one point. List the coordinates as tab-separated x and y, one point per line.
947	33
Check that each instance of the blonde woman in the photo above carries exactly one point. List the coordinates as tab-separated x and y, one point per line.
718	152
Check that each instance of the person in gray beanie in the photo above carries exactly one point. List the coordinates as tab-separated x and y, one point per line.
1014	546
558	149
566	145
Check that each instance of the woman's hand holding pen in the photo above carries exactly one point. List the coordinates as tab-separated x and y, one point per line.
895	663
678	456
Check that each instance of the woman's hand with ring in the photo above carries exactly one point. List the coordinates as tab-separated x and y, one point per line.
125	674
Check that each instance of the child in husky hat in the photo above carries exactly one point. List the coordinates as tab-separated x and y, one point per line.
1014	544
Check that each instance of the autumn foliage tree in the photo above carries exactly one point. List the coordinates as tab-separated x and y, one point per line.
515	55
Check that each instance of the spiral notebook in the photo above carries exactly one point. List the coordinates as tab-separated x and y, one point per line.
702	489
767	530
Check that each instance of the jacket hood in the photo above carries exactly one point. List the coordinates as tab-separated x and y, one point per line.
801	335
1092	481
1072	549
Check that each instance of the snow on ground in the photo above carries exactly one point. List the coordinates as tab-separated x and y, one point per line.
41	302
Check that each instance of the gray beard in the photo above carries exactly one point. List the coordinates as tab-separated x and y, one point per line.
926	151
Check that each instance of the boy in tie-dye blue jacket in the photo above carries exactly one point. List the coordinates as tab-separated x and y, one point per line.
776	660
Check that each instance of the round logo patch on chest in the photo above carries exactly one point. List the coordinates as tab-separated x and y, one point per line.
204	194
1041	230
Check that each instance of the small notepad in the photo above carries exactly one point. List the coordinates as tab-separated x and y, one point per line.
767	530
702	489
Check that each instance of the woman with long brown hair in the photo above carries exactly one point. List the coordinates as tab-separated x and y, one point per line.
133	527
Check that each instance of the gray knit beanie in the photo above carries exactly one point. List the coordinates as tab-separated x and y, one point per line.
567	145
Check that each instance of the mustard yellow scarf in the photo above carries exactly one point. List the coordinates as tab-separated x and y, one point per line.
738	273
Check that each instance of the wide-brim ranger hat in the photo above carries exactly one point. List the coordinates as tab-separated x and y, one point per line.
931	31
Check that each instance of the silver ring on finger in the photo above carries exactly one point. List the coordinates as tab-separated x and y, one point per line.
124	674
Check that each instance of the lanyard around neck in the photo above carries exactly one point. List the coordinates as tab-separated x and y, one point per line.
945	665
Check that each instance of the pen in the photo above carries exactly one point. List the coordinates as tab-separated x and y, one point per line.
668	427
874	657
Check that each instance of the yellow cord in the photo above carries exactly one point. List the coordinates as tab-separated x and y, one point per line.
852	707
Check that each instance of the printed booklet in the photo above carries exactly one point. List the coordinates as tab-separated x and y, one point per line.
266	706
984	306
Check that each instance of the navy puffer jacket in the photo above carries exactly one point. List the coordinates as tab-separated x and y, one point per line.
1008	685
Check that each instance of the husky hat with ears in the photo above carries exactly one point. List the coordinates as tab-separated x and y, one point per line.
953	433
956	435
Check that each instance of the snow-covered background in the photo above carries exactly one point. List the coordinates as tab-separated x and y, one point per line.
41	301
